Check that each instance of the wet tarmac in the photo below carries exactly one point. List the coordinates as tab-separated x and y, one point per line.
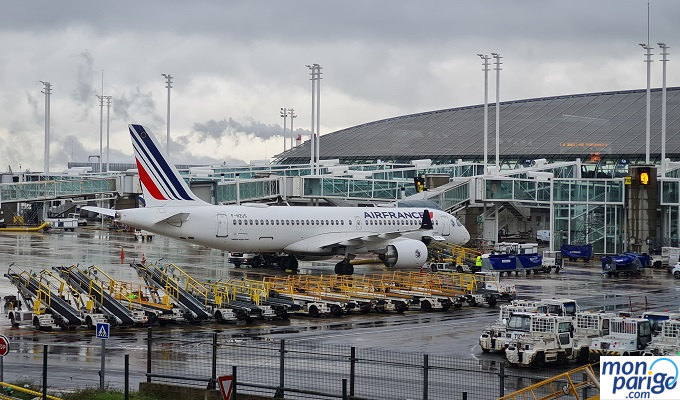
74	357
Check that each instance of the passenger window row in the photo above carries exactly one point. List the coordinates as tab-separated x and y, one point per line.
290	222
323	222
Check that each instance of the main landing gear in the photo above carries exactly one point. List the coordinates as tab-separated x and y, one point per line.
288	263
344	267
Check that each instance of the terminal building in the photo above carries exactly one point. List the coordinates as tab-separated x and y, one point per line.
590	142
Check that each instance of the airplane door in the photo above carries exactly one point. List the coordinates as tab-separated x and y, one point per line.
358	221
446	226
222	224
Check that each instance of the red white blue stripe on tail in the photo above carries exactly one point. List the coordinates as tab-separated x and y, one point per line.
161	182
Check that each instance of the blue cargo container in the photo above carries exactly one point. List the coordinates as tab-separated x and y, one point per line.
574	252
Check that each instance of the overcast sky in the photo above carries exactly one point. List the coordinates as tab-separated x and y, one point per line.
236	63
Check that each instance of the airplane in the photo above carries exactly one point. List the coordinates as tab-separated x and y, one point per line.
284	234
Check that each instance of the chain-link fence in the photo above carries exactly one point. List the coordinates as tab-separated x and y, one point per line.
311	370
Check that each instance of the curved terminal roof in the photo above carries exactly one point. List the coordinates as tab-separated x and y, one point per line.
555	127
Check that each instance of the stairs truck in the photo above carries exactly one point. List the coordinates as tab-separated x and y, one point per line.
627	337
548	340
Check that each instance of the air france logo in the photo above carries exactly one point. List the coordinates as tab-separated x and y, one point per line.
639	378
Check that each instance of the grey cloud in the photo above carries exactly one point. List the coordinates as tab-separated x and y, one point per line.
234	129
129	107
84	91
384	20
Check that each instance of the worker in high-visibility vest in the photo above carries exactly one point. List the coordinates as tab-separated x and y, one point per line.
478	262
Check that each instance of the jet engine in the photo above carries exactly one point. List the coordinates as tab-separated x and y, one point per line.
405	254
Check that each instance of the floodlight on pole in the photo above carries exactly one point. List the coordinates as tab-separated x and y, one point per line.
47	89
312	138
101	129
485	58
108	109
284	114
664	60
291	111
318	117
498	63
648	117
168	85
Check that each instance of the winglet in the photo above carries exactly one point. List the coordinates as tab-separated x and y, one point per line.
427	221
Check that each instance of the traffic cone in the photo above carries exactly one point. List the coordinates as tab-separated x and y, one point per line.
143	259
122	255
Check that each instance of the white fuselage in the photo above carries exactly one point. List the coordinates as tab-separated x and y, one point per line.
261	228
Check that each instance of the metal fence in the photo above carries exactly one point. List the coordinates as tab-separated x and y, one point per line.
311	370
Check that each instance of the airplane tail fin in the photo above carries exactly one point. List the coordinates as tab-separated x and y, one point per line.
161	183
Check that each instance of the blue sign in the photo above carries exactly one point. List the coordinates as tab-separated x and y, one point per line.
102	330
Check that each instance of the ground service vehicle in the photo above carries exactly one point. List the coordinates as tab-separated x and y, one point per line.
627	337
566	307
667	342
656	318
628	264
552	260
543	236
494	337
81	221
589	325
67	224
447	267
668	258
497	335
548	340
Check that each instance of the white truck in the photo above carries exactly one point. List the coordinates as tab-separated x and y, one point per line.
67	224
668	258
552	260
252	259
548	340
589	325
667	342
447	267
560	307
656	318
543	236
627	337
496	335
39	320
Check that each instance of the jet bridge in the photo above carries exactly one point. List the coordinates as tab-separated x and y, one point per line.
91	287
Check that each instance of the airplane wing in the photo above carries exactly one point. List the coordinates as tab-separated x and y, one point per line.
176	219
370	240
101	210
